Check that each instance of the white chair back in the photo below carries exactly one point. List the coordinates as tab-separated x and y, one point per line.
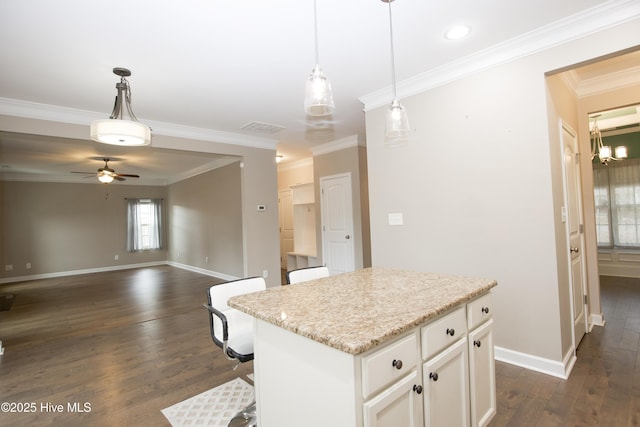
240	325
306	274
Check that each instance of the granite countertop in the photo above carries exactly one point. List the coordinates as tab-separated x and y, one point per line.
354	312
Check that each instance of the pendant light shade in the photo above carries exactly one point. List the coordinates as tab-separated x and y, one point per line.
397	122
116	130
120	132
318	100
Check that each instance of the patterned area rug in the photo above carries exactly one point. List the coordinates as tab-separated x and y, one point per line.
214	407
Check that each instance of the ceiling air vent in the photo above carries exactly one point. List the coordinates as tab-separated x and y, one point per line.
263	128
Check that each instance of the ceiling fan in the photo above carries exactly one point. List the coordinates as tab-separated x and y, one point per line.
106	174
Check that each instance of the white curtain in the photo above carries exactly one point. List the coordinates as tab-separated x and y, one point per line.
623	179
144	224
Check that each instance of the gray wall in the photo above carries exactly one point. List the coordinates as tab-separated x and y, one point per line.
206	221
260	243
61	227
478	186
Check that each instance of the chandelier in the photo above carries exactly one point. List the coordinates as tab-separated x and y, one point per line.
604	152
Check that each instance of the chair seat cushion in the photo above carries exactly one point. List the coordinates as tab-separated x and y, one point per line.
240	331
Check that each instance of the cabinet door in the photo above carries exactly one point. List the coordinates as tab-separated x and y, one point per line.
482	375
446	387
398	405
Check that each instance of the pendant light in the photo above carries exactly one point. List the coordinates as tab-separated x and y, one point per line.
318	100
397	122
604	152
116	130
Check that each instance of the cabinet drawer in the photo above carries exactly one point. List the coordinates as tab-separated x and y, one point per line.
388	364
443	332
479	311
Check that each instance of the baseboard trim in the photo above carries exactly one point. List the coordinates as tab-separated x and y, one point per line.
596	320
203	271
76	272
536	363
118	267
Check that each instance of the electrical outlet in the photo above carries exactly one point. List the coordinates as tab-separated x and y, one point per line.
265	273
206	260
28	265
116	257
8	267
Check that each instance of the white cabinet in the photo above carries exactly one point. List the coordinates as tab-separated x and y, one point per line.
481	360
392	369
446	387
399	405
437	374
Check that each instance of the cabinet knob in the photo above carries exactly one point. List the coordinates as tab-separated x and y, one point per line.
397	364
477	343
417	388
451	331
485	310
433	376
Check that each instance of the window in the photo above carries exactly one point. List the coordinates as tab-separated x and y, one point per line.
617	204
144	224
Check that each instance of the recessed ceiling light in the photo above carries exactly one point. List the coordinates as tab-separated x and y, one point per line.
458	32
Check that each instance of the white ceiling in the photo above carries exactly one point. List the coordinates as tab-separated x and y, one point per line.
215	66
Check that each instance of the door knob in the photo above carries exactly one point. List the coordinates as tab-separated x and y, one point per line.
574	250
347	237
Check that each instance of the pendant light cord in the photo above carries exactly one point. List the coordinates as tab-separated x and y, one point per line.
315	27
393	66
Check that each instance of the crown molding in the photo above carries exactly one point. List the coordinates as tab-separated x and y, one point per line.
609	82
573	27
33	110
337	145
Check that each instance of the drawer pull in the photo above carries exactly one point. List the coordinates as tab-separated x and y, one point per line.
433	376
451	331
417	388
397	364
485	310
477	343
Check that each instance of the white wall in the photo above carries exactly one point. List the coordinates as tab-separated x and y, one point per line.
476	188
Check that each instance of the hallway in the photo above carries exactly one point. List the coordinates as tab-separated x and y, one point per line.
604	387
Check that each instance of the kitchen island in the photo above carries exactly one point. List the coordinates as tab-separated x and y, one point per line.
375	347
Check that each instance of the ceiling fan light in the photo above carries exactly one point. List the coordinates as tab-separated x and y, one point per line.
105	177
318	100
120	132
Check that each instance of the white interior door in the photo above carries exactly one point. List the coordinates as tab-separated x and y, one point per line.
337	223
285	212
574	226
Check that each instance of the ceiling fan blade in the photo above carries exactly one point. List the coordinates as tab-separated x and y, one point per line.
128	175
86	173
119	178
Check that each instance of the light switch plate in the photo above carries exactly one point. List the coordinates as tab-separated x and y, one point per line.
396	219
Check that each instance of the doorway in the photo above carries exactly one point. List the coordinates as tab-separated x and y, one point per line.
337	223
572	214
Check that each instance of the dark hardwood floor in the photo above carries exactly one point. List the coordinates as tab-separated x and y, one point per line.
604	386
133	342
129	343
